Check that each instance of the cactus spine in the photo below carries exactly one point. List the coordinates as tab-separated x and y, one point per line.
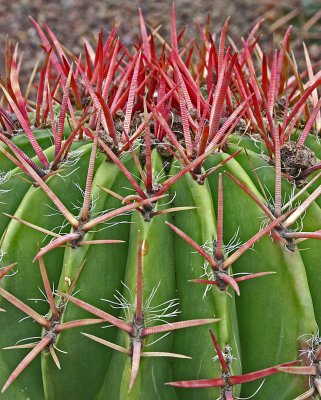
131	200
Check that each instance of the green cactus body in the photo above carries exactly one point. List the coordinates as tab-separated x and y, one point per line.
195	299
44	138
149	248
14	246
14	178
290	290
311	258
158	280
107	262
158	274
244	327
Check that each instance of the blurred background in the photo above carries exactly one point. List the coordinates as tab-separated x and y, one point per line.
72	20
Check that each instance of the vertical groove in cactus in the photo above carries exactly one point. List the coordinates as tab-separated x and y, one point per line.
201	227
160	221
292	301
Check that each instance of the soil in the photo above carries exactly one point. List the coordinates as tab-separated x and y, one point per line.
72	20
296	159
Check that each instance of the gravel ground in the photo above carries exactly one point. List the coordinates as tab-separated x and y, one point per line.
72	20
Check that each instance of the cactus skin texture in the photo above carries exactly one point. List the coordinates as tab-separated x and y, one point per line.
160	222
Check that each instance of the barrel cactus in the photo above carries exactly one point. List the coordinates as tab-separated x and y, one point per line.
160	221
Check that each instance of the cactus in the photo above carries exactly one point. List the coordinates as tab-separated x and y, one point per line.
170	196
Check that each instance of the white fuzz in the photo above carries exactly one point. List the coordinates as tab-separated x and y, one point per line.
2	254
152	313
4	177
254	394
28	338
313	342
